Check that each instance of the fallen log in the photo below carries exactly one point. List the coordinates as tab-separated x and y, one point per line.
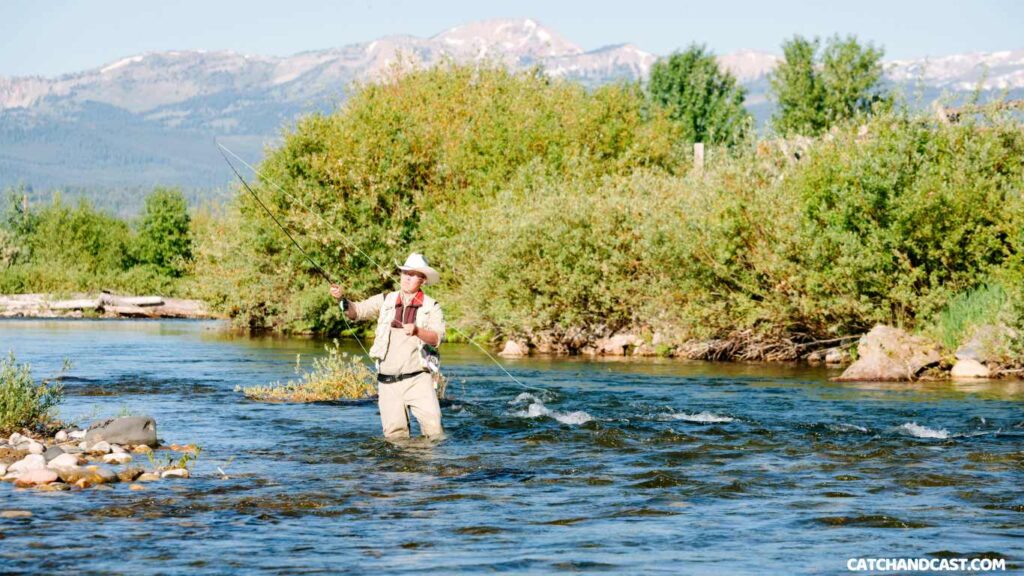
110	299
81	304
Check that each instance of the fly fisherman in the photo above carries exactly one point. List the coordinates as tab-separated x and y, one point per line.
410	326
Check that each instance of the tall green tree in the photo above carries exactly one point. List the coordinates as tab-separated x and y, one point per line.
164	238
704	99
816	88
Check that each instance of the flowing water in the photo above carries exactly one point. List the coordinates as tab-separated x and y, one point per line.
651	466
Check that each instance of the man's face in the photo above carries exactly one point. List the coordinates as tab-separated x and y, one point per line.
411	281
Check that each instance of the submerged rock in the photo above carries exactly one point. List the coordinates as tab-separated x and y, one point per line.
148	477
175	473
15	514
130	430
890	354
130	474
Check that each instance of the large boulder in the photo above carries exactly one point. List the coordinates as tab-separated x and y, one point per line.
890	354
131	430
988	343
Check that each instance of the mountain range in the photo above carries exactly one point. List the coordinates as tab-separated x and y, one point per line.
152	118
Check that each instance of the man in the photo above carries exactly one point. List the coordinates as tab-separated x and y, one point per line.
410	326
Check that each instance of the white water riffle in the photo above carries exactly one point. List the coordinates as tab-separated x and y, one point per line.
918	431
536	409
701	417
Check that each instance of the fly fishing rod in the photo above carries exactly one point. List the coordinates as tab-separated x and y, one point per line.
316	265
224	151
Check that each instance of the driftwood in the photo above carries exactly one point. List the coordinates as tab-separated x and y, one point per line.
105	305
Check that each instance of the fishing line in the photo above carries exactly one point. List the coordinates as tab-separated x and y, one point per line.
318	267
386	272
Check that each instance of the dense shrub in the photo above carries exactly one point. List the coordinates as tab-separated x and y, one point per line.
23	402
552	208
406	162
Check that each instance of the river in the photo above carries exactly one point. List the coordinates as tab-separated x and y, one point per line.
639	466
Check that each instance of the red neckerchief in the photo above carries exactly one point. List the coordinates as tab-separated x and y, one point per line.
406	314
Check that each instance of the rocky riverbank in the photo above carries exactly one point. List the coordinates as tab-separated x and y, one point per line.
106	453
103	305
883	354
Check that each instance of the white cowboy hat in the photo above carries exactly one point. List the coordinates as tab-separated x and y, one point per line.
418	263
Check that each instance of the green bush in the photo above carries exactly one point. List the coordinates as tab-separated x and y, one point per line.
23	403
60	248
164	238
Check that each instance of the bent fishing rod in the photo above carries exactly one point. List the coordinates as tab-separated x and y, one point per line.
224	151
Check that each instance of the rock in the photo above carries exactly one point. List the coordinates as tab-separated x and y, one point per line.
116	458
106	475
816	357
34	477
117	449
102	487
514	349
129	474
834	356
61	436
30	462
54	487
142	449
34	447
148	477
76	434
10	455
988	343
101	447
125	430
3	469
85	477
967	369
617	345
136	487
52	452
64	461
890	354
175	473
14	439
15	514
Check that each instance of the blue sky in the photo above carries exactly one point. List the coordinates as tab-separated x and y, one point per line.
49	37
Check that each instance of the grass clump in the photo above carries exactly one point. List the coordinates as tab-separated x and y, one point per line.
985	305
337	376
24	404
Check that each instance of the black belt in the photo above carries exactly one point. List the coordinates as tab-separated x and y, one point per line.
385	379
